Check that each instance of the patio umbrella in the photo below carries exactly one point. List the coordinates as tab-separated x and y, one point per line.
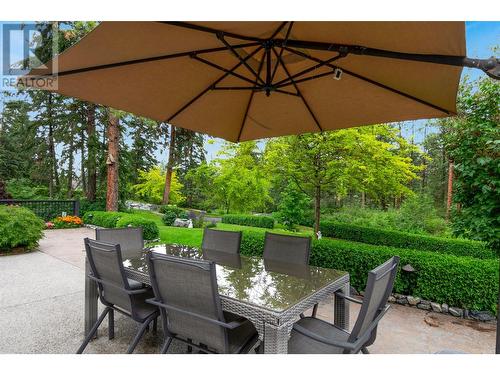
250	80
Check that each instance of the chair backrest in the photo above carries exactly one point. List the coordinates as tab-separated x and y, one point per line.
221	240
287	249
189	285
105	260
378	289
129	239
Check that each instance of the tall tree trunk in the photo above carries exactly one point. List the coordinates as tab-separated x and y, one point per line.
92	144
54	175
317	209
450	190
363	199
82	161
70	166
170	165
112	162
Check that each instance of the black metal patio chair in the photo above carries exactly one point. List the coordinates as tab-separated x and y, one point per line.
187	294
287	249
221	240
315	336
117	292
130	239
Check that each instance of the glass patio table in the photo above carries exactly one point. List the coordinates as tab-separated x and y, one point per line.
270	294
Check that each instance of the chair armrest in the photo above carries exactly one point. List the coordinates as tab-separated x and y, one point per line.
324	340
231	325
128	291
349	298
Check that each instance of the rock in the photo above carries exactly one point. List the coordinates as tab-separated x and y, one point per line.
431	320
392	299
445	308
398	296
402	301
455	311
466	313
436	307
183	223
424	305
482	316
413	301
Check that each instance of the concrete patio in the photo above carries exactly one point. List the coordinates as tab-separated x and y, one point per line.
42	296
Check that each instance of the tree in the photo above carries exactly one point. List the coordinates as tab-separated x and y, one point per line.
369	159
293	206
151	186
240	183
472	141
201	181
113	136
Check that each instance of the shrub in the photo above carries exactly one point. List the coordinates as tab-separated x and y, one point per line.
377	236
150	230
249	220
19	227
63	222
171	213
102	218
460	281
86	206
293	207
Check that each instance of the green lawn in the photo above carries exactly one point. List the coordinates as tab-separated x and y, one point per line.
193	236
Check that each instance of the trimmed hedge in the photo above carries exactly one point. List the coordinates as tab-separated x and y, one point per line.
459	281
404	240
150	230
249	220
120	220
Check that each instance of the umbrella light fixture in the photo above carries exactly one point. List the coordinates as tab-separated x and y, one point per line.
250	80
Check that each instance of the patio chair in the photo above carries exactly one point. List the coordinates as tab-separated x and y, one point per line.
187	294
221	240
315	336
130	239
117	292
287	249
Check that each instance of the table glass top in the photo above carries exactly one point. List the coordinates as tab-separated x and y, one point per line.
267	284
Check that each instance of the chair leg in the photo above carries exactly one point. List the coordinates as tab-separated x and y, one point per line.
111	324
93	330
155	325
315	310
166	345
190	348
365	351
139	334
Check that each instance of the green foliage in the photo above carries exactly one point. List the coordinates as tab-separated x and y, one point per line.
293	207
170	213
103	219
86	205
384	237
150	230
152	183
19	227
22	188
472	141
249	220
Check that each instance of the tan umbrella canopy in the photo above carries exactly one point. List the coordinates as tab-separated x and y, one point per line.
250	80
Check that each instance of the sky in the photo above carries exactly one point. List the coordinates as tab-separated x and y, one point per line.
480	38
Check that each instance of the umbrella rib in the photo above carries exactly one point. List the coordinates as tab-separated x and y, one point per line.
289	30
298	92
373	82
220	36
213	65
145	60
249	103
305	71
203	92
210	30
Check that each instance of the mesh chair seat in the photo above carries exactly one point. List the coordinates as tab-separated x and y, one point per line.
301	344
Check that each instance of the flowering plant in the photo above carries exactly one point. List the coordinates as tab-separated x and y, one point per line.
49	225
67	222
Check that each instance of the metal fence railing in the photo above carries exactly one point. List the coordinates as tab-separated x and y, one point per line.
47	209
